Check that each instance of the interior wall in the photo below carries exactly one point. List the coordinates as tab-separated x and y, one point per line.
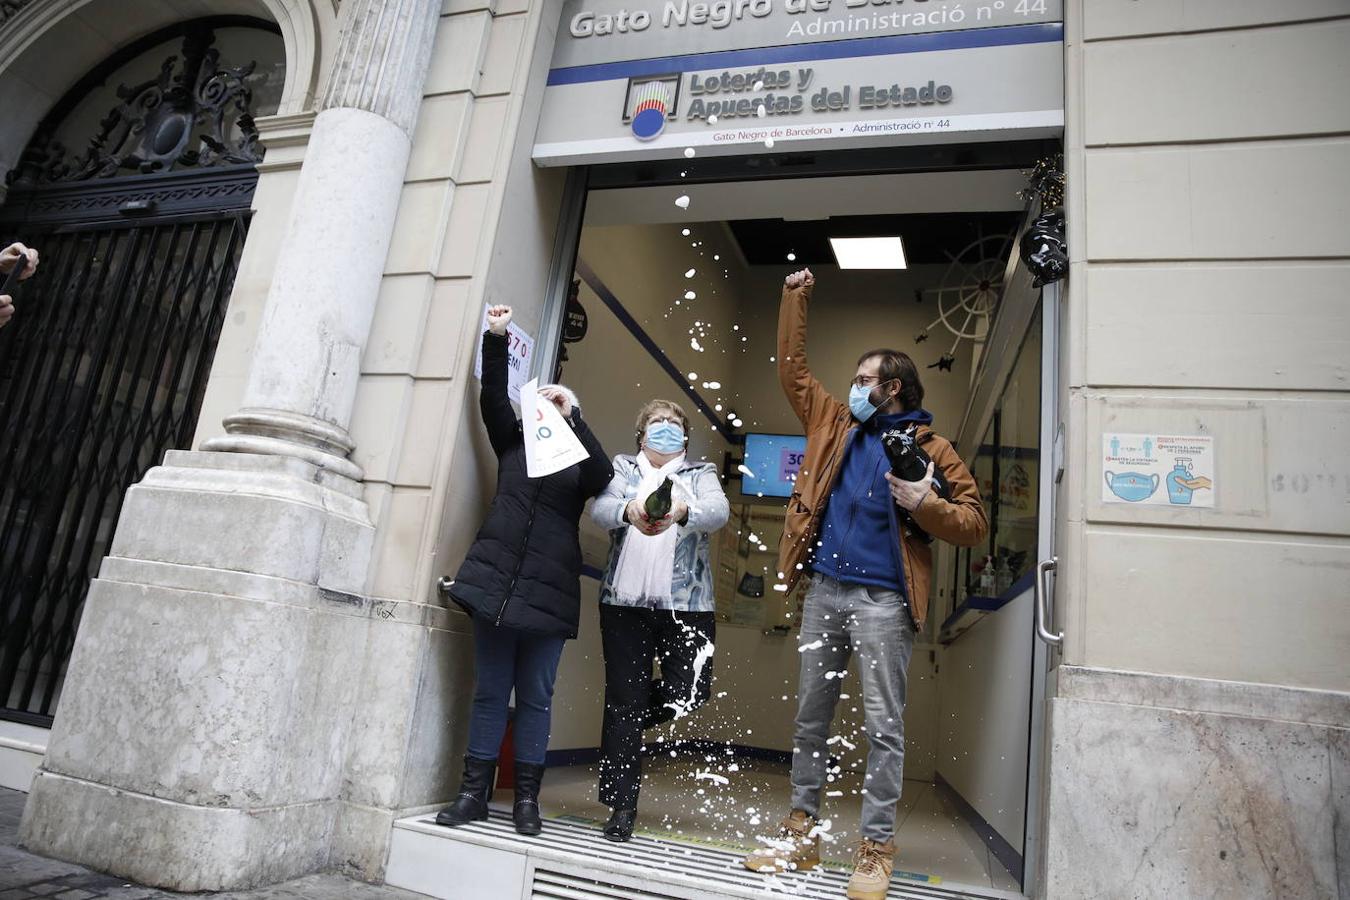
755	674
985	679
579	693
645	267
985	687
614	375
851	311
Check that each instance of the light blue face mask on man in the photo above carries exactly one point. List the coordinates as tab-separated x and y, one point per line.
665	437
860	402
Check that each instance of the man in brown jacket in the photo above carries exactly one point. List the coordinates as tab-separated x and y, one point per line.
870	573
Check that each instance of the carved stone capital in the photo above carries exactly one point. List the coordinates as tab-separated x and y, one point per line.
381	60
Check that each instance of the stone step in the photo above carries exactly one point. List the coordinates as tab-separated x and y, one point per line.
573	861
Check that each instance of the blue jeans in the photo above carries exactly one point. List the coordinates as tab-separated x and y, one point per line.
842	621
507	659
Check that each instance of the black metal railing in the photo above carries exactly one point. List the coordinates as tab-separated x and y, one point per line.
101	371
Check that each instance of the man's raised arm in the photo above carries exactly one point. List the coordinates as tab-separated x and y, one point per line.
806	395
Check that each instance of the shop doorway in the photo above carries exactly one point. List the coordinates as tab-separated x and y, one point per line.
680	301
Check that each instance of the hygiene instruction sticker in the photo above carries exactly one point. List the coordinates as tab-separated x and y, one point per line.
1158	470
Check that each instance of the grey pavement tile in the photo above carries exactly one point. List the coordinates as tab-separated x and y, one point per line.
18	867
323	887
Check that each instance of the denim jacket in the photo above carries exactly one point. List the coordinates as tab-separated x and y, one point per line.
692	581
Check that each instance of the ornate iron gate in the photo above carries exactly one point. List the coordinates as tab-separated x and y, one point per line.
105	363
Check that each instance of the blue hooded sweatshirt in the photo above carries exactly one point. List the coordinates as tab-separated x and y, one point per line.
858	543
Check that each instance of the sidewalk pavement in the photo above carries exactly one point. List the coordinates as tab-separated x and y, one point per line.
25	875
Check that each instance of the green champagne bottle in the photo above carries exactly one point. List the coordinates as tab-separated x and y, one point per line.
658	501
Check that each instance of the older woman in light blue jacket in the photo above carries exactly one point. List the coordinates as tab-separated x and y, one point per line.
656	600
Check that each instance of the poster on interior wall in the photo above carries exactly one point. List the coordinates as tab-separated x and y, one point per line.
1158	469
520	348
550	443
1018	488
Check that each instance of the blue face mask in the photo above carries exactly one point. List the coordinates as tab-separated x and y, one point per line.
665	437
860	402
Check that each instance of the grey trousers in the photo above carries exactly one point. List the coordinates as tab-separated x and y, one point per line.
840	621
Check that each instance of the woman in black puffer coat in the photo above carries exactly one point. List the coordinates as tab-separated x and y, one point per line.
520	582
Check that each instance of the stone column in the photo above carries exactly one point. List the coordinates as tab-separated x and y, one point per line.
206	722
306	362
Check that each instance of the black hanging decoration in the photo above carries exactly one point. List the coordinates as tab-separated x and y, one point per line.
944	363
1045	182
1044	247
575	322
575	325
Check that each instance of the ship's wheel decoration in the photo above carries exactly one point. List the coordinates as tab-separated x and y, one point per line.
968	293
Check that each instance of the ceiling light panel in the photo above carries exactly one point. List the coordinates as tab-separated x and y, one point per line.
869	252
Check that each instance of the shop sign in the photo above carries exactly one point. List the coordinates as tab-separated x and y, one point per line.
661	79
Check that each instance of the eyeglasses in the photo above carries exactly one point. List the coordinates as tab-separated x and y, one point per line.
868	380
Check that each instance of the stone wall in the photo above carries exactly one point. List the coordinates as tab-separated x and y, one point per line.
1208	174
1163	786
294	585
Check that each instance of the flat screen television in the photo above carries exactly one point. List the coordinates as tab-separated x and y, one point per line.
771	464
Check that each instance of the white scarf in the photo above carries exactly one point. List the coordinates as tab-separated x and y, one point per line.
647	562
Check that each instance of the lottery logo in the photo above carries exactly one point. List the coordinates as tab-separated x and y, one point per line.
650	104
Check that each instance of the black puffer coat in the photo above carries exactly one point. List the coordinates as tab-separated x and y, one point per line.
524	568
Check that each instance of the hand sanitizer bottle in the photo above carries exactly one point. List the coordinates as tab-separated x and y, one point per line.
1177	492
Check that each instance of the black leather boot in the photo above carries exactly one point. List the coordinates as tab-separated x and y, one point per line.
619	828
475	789
525	812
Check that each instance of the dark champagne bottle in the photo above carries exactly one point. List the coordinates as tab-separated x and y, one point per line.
658	501
909	462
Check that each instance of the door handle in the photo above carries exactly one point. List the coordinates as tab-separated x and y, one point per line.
1043	615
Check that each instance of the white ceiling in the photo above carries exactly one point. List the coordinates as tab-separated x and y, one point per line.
811	198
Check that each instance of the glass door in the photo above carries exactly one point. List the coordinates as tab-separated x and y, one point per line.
987	675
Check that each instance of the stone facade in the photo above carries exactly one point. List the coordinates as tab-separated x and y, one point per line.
241	573
297	685
1183	787
1197	736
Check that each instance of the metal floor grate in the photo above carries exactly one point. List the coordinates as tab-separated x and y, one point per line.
570	861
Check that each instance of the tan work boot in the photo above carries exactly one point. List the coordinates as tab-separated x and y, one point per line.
795	849
872	865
